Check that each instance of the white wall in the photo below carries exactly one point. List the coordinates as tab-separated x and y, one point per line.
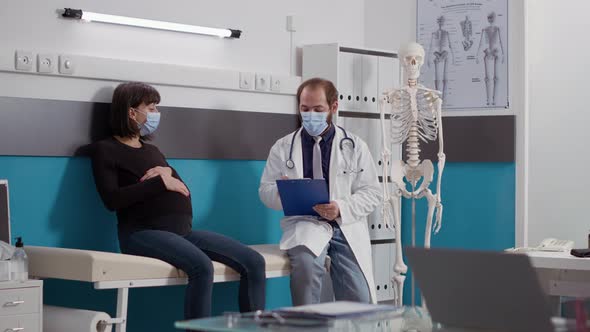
389	23
264	45
559	117
399	19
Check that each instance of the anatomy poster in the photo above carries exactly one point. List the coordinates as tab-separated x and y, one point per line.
466	44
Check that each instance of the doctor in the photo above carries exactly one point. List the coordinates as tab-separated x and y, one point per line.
320	149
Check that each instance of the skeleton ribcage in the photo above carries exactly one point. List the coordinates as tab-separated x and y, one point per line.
402	117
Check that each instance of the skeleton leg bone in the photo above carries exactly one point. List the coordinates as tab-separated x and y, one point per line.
490	60
424	171
437	75
445	81
398	290
399	268
431	198
495	80
487	79
399	189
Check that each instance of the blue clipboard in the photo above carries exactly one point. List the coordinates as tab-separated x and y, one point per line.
299	196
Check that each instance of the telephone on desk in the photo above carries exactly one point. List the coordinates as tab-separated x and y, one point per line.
549	244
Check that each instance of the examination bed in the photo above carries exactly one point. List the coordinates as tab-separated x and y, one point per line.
107	270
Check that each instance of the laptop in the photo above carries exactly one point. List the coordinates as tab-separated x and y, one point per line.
4	212
484	290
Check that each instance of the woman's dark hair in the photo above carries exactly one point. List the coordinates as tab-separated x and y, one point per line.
127	95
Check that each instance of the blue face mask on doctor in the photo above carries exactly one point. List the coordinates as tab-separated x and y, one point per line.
151	123
315	122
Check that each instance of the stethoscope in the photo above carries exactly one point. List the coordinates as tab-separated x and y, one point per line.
345	141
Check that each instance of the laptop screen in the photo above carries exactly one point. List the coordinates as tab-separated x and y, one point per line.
481	290
4	212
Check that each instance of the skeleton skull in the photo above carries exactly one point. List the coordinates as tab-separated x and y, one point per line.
491	17
412	59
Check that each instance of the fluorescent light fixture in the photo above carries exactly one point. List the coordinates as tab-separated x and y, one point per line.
139	22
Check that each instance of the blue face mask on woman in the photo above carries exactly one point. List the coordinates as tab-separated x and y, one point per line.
151	123
314	122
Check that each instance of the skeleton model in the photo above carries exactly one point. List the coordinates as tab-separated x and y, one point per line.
467	30
492	39
439	49
415	114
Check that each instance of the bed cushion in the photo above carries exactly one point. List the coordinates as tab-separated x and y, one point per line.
95	266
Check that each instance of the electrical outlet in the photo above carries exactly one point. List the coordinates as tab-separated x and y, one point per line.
66	64
45	63
262	81
275	83
246	81
23	60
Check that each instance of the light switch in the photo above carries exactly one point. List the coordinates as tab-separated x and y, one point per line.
66	64
246	81
262	82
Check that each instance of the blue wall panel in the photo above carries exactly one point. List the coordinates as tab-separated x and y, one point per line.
478	210
54	203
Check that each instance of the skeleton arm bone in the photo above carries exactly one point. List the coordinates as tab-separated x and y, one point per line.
431	207
501	46
451	49
429	53
385	157
481	37
385	153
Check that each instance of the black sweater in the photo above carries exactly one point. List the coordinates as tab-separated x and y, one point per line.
117	169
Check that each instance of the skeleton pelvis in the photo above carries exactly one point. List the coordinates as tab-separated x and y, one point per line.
424	169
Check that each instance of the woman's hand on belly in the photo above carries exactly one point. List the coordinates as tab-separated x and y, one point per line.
156	171
173	184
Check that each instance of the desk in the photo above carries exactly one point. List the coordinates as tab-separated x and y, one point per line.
400	320
562	274
403	319
558	260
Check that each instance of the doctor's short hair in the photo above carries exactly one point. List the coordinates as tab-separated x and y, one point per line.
313	83
127	95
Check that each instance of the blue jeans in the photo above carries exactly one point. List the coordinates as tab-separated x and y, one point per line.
308	270
193	254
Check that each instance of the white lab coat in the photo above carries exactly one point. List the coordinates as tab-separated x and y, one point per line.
357	195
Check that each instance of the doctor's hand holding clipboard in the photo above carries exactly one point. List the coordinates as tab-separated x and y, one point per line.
306	197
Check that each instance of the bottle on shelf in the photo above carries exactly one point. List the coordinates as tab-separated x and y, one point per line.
19	263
